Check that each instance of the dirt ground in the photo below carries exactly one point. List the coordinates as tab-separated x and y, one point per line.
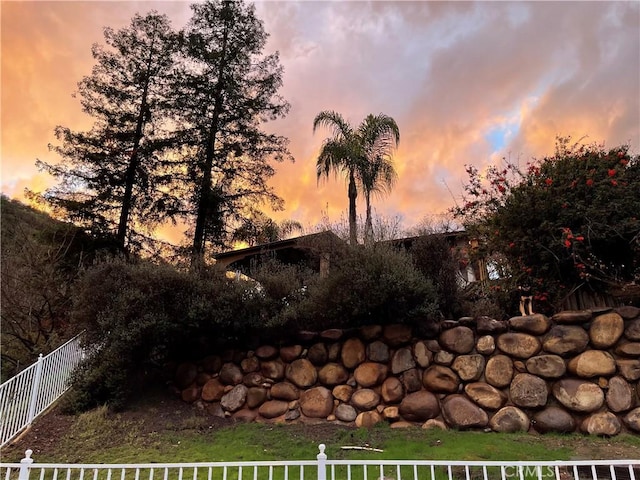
167	413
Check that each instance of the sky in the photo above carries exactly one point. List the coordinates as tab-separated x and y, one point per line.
467	83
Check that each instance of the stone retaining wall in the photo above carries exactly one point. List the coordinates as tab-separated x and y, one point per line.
575	371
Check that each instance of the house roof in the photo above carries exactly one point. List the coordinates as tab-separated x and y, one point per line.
319	241
304	241
406	242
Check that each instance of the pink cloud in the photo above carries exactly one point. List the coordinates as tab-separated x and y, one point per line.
448	72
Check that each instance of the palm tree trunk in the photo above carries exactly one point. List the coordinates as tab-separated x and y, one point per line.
368	227
353	194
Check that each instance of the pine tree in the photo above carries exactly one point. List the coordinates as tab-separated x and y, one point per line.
112	177
227	90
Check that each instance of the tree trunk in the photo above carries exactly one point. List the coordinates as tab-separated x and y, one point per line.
368	227
130	176
205	185
353	194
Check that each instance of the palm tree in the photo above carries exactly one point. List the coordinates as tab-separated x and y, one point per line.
340	153
379	135
257	229
363	154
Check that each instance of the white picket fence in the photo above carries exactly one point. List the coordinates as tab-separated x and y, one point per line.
32	391
323	468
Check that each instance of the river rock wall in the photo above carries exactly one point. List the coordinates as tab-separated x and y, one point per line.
575	371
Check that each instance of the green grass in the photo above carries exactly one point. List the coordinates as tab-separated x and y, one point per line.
102	437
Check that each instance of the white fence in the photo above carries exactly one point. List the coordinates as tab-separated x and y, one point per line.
28	394
323	468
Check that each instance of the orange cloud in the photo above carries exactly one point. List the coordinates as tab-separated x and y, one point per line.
448	72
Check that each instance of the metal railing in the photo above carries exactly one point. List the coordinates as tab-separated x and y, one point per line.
32	391
323	468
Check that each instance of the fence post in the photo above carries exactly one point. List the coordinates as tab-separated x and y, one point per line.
25	465
34	391
322	463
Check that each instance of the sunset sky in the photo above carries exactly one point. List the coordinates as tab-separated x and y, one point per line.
467	83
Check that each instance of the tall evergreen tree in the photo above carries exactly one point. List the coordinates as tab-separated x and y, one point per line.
112	176
227	90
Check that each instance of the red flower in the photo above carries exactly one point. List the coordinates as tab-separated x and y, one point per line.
548	181
589	182
620	154
511	245
501	188
612	172
624	162
567	243
580	238
614	183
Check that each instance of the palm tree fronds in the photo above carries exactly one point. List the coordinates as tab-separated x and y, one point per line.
364	155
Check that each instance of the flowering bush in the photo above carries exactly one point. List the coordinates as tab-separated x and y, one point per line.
561	222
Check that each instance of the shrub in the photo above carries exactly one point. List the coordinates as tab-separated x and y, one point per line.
495	299
283	287
567	222
140	315
367	285
439	261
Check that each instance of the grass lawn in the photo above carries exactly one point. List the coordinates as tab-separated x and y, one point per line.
176	432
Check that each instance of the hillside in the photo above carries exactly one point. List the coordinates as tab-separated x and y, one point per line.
40	258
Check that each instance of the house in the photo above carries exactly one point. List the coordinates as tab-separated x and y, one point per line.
318	250
469	271
314	250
